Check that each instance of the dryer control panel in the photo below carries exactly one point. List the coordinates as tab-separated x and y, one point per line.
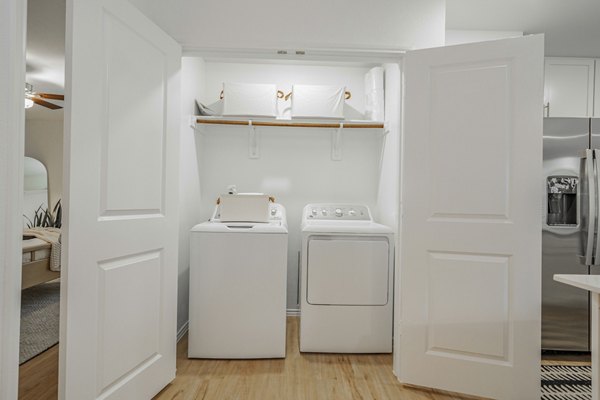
337	212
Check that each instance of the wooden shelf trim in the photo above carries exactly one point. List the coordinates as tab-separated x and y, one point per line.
331	125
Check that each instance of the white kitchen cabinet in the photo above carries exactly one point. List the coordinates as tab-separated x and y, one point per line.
597	90
569	87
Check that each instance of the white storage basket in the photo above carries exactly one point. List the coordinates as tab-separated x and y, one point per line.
249	99
318	101
244	207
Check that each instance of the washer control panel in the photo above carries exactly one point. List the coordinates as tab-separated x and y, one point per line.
275	211
338	212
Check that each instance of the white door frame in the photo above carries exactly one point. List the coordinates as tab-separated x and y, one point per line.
13	27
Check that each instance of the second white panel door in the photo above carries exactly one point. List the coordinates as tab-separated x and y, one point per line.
471	231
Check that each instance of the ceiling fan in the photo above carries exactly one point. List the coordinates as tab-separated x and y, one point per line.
32	97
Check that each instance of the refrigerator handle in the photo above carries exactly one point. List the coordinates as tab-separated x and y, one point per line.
591	228
596	199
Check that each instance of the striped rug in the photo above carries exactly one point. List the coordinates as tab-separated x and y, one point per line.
566	382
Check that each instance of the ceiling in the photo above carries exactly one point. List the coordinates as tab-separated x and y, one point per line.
572	28
45	68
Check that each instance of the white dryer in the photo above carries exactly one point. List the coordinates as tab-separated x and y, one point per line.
238	283
346	283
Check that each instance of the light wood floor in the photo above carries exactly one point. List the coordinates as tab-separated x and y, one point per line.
297	377
300	376
38	377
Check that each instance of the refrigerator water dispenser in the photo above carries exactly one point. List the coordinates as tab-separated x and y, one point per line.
562	200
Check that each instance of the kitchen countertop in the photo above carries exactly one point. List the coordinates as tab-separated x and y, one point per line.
587	282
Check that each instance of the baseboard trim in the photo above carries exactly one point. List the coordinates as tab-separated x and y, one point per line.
183	330
293	312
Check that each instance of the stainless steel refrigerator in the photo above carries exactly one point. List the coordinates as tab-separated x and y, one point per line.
570	226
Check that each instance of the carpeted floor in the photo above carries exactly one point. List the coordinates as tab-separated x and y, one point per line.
39	319
566	382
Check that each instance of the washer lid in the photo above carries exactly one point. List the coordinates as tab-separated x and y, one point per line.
217	226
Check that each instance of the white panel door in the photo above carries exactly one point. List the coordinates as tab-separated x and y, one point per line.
471	228
569	87
118	326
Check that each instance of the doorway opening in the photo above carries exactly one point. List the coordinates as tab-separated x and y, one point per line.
42	208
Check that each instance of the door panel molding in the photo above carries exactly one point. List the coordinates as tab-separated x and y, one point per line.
484	312
452	160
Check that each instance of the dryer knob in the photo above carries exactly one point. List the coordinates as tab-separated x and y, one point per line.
338	212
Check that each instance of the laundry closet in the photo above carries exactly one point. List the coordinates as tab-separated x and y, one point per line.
296	165
445	151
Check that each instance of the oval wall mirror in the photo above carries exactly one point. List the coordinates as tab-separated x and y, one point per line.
35	184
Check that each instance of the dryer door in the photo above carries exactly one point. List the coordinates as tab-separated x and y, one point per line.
351	270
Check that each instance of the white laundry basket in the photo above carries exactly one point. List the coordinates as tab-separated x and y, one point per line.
249	99
318	101
244	207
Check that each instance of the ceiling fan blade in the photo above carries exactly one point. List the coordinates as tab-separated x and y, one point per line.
45	103
51	96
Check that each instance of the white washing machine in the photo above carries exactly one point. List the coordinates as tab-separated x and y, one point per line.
346	284
238	282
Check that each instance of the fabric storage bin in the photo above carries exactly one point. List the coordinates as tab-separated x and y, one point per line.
249	99
318	101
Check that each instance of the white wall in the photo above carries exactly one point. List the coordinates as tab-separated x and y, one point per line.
295	164
381	24
44	141
389	178
192	75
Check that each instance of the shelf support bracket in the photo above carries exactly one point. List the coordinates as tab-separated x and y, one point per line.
196	126
336	143
253	142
